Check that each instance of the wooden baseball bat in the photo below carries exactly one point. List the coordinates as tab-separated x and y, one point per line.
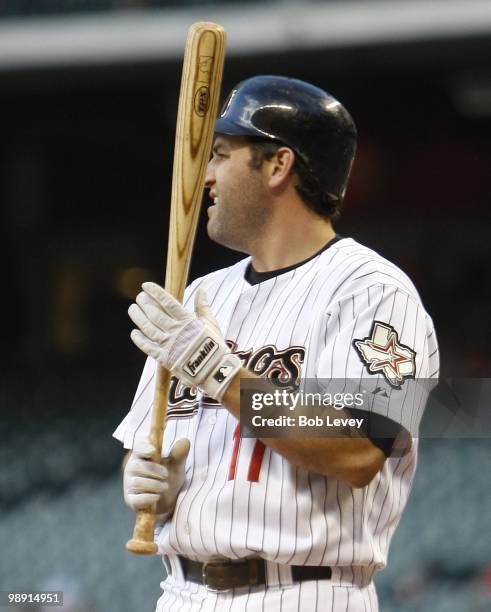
198	102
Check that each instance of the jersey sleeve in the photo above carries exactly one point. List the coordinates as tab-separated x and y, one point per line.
136	423
376	349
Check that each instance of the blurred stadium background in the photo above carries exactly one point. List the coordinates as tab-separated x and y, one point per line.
88	91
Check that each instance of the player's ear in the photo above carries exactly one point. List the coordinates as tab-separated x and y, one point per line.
280	167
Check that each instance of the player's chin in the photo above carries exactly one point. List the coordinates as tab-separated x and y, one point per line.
214	227
221	236
211	228
215	234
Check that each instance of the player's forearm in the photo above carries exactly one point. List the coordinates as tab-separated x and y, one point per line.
354	460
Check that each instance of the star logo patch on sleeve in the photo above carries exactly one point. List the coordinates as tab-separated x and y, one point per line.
383	353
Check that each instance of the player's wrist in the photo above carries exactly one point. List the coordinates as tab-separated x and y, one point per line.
221	377
208	363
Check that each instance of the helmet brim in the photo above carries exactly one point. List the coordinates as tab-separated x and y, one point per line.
231	128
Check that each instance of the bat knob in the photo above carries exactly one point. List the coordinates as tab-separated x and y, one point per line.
141	547
142	542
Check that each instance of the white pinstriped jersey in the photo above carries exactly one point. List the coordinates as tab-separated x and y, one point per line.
240	498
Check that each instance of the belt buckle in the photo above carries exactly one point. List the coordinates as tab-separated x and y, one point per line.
204	578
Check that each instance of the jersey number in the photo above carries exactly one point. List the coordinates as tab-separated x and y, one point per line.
256	459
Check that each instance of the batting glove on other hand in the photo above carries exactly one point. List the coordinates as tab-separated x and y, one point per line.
188	344
146	482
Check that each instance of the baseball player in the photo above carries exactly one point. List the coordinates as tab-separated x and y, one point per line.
279	523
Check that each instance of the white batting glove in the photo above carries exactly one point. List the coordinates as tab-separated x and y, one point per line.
188	344
146	482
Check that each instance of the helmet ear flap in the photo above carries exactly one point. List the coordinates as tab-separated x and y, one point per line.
305	118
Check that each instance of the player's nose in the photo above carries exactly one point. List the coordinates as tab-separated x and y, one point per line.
210	175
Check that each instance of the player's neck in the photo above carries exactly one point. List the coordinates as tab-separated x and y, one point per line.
291	241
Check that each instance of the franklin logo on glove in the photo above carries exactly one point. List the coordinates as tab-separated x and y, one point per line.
201	357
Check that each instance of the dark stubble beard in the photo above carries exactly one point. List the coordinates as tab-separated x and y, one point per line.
240	218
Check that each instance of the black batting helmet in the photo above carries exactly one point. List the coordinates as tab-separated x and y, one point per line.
299	115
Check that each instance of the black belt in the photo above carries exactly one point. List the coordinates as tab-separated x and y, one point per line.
225	575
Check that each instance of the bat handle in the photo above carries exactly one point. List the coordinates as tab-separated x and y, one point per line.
142	541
